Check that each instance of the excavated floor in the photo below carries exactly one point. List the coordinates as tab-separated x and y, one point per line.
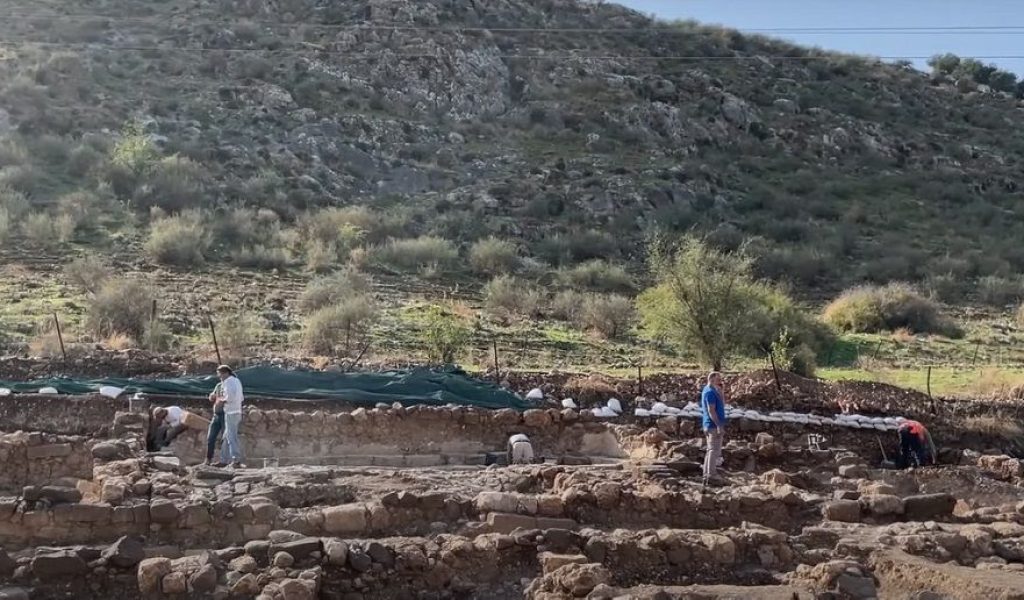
396	503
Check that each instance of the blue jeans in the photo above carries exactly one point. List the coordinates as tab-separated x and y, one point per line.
232	450
216	428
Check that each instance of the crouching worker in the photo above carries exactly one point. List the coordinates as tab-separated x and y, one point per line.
916	446
520	450
165	424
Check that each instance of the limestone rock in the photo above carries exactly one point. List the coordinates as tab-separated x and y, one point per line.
125	552
345	519
151	573
847	511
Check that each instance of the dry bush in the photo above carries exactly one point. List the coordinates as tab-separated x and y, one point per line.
120	306
261	256
426	255
332	289
1020	315
88	273
903	335
15	203
506	297
45	343
870	309
173	183
597	275
237	333
43	231
180	241
492	256
336	328
117	342
1000	291
589	390
995	384
609	315
5	224
567	305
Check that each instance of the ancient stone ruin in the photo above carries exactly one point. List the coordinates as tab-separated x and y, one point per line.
396	502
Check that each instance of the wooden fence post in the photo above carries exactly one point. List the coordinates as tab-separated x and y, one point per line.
60	338
213	332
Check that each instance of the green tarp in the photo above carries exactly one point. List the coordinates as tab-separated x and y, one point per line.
417	386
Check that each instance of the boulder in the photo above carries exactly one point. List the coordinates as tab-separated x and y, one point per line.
550	561
204	580
7	564
336	551
246	587
163	512
151	573
283	560
853	471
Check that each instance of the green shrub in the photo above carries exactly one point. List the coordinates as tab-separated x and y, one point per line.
5	224
444	335
333	289
321	257
425	255
173	183
1000	291
492	256
948	288
870	309
610	315
121	306
23	178
83	160
82	207
597	275
329	236
563	249
338	326
506	297
134	151
88	273
179	241
1020	315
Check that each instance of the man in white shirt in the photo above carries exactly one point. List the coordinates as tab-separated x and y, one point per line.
164	425
520	450
232	398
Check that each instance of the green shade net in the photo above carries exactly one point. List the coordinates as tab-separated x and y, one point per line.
416	386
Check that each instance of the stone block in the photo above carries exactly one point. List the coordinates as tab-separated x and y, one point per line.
163	512
855	471
345	519
83	513
549	561
846	511
928	506
125	553
883	504
48	451
508	522
65	563
299	549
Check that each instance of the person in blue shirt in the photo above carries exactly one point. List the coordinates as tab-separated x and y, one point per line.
712	407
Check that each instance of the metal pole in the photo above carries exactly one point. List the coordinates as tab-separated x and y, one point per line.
60	338
213	332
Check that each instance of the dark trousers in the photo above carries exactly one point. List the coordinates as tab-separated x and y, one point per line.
163	436
912	451
216	428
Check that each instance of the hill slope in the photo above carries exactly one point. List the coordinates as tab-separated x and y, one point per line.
435	114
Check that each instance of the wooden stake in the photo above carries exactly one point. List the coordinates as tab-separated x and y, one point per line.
497	370
60	338
775	371
640	380
213	332
977	346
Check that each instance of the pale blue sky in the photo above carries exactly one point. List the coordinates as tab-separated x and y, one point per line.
773	14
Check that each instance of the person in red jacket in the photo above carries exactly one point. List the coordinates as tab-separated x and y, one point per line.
916	446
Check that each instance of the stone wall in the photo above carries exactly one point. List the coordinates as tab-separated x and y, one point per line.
69	415
41	459
423	431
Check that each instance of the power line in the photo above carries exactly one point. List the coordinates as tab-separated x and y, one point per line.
665	29
313	48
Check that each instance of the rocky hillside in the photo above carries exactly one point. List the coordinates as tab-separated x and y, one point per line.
466	119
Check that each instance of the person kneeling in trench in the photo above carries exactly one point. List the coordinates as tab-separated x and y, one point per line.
165	424
520	451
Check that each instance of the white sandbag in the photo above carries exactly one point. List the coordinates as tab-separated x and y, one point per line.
659	408
535	394
641	412
48	390
615	405
5	392
569	403
110	391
